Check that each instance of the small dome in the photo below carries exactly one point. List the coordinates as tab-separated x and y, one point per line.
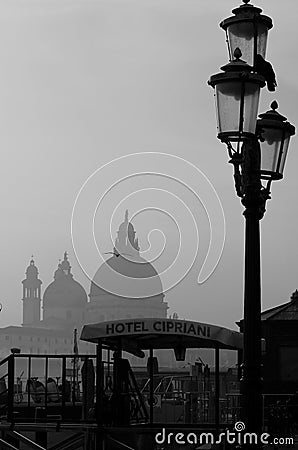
64	291
32	271
65	266
31	280
58	273
126	237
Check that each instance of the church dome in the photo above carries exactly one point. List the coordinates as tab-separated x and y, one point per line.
64	291
126	274
138	279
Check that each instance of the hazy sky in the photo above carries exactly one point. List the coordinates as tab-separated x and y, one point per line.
86	81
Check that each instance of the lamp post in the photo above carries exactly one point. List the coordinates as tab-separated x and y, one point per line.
257	150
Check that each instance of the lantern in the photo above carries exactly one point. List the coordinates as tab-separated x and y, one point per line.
274	133
237	93
247	30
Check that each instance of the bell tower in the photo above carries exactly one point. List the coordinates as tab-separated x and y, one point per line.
31	295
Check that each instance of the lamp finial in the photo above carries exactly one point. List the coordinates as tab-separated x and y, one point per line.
237	53
274	105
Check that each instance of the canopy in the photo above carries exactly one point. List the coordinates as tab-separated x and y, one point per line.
135	335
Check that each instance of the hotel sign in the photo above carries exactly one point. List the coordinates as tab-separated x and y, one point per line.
146	331
156	326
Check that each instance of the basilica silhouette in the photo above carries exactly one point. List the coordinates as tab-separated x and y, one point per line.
49	321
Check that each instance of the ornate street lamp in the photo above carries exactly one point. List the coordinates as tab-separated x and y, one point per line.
259	153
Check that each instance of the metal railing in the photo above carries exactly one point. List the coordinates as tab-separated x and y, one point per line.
52	387
53	382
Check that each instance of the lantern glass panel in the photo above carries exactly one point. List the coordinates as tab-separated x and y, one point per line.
284	154
273	157
251	105
228	97
270	149
228	106
241	35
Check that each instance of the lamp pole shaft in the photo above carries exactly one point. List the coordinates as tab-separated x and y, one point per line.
254	202
251	377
